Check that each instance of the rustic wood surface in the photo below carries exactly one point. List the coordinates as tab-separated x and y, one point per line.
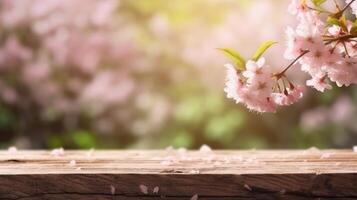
221	175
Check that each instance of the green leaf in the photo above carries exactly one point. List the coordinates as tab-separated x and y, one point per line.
262	48
235	57
338	21
354	28
318	2
344	23
333	21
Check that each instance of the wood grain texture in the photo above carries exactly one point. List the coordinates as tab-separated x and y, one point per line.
221	175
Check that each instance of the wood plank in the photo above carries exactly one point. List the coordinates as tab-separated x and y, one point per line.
223	175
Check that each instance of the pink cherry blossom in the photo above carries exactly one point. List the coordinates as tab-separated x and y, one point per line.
318	57
295	7
256	91
298	8
319	82
254	87
295	44
256	69
334	30
344	73
233	83
292	96
259	77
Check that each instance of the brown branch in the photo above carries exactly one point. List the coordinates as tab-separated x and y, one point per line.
281	74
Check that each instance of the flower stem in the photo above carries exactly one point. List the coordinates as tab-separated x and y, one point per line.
340	38
348	5
339	13
346	51
337	6
281	74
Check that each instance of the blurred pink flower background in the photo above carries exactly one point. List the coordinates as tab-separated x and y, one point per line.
146	74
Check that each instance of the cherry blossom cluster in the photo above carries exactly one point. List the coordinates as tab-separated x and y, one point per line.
259	89
331	39
324	43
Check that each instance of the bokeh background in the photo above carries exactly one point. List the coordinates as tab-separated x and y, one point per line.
146	74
